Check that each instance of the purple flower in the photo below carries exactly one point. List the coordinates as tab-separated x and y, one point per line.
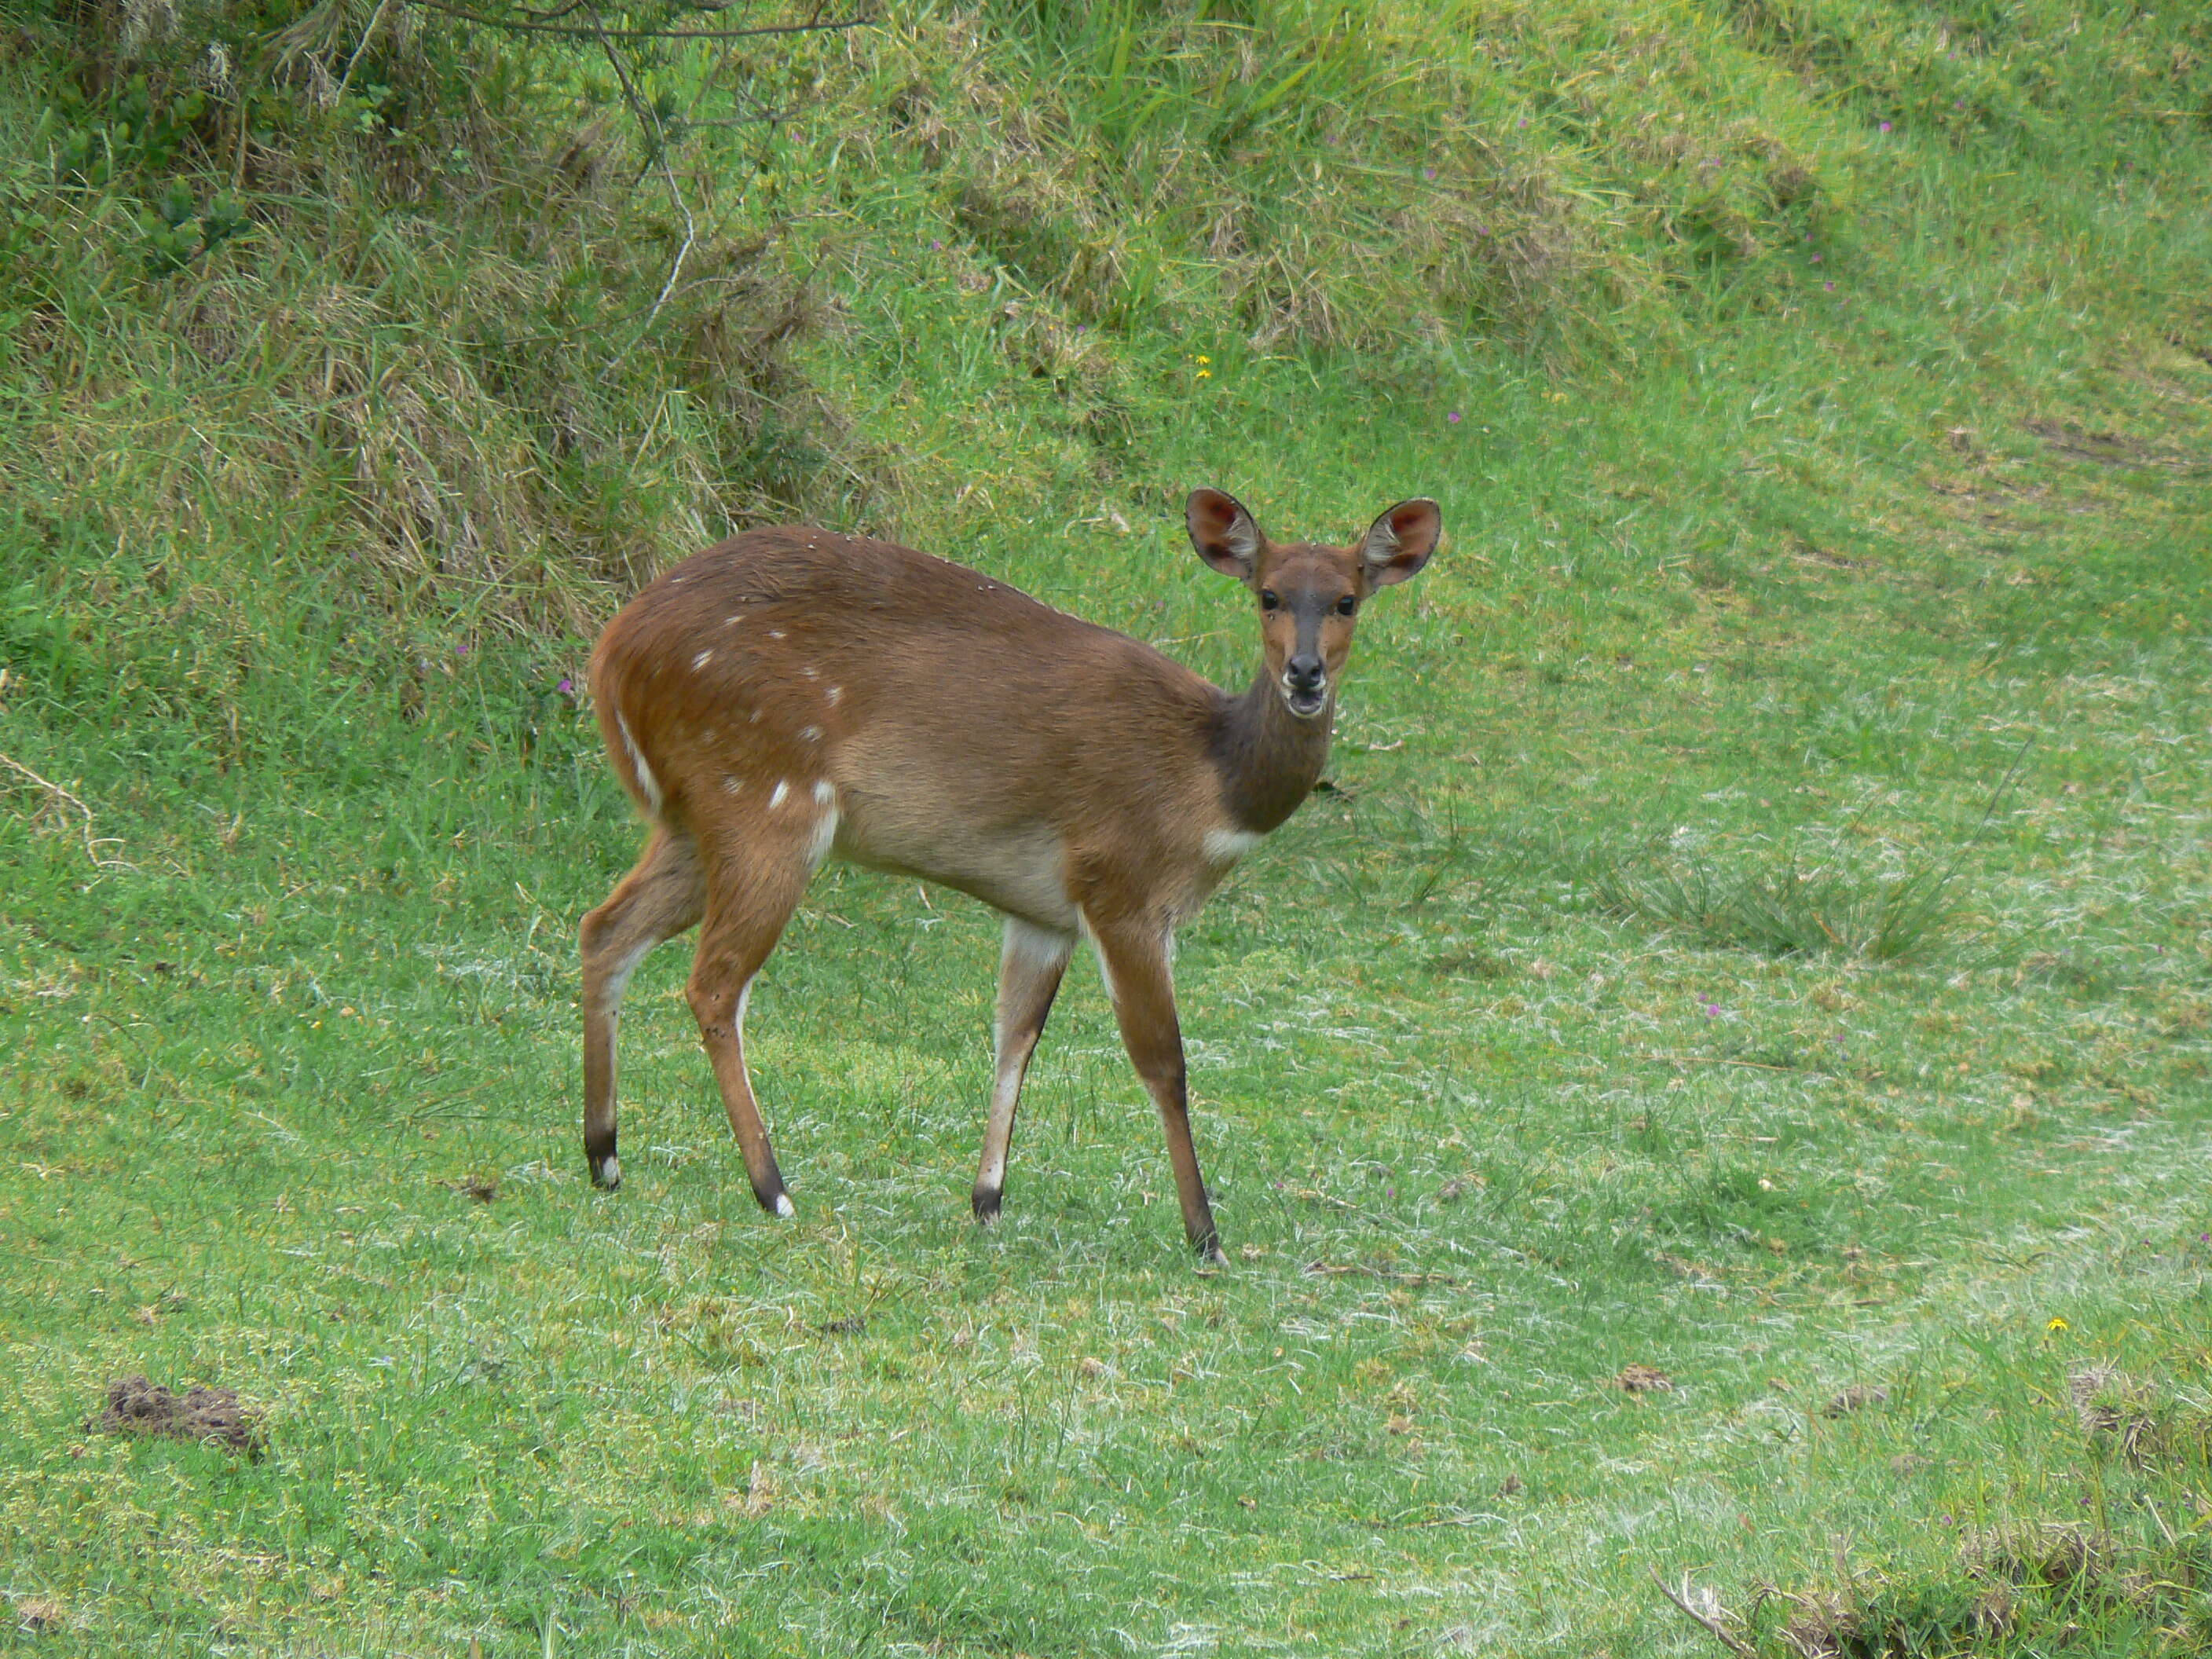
2204	1238
1453	416
1523	122
1428	172
461	650
936	246
1482	230
1712	1010
1831	287
1816	258
566	686
1884	126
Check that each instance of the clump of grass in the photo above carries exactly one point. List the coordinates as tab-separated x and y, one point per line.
1792	908
2016	1587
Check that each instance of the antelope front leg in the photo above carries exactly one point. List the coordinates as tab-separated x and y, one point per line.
1030	968
1135	960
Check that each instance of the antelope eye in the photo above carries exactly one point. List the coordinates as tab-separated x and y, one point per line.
1269	600
1346	605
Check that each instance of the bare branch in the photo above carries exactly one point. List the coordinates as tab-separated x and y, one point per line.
641	34
68	799
650	128
1720	1633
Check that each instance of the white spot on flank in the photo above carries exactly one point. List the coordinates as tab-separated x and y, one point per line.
835	692
811	734
808	672
1227	846
782	789
825	793
775	633
732	621
756	715
645	781
702	660
730	785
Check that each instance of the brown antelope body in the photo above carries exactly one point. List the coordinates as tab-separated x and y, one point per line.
794	695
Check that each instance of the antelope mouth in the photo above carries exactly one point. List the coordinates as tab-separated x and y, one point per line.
1305	703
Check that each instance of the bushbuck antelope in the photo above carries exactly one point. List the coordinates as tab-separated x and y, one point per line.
794	693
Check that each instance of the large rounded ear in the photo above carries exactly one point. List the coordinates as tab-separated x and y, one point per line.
1223	533
1399	542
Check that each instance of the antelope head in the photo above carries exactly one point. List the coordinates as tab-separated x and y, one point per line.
1309	594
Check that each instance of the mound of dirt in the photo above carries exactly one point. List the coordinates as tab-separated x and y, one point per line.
135	1406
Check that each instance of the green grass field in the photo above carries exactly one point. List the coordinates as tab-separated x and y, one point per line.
1716	1089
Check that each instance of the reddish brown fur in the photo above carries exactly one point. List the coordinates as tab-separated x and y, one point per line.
923	718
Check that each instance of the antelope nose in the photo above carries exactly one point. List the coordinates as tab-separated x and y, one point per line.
1306	673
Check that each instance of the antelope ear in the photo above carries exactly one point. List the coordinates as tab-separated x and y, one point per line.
1399	542
1223	533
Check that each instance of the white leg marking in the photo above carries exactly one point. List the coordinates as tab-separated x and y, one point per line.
609	1171
737	1024
1105	971
617	979
775	799
645	781
825	832
1027	949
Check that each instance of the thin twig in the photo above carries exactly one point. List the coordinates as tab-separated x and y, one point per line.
1720	1633
643	35
92	843
650	128
1717	1059
366	35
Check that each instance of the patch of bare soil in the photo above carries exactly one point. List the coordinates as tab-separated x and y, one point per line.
1643	1379
137	1406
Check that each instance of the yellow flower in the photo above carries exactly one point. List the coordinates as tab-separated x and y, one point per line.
1205	373
2058	1325
1203	358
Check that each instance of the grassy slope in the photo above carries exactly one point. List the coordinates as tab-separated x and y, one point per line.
1801	583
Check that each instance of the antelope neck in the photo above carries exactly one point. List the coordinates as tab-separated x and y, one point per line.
1268	758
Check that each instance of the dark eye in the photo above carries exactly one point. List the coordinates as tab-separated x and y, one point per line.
1268	600
1346	605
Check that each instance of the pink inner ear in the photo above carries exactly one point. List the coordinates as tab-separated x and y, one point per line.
1210	517
1415	525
